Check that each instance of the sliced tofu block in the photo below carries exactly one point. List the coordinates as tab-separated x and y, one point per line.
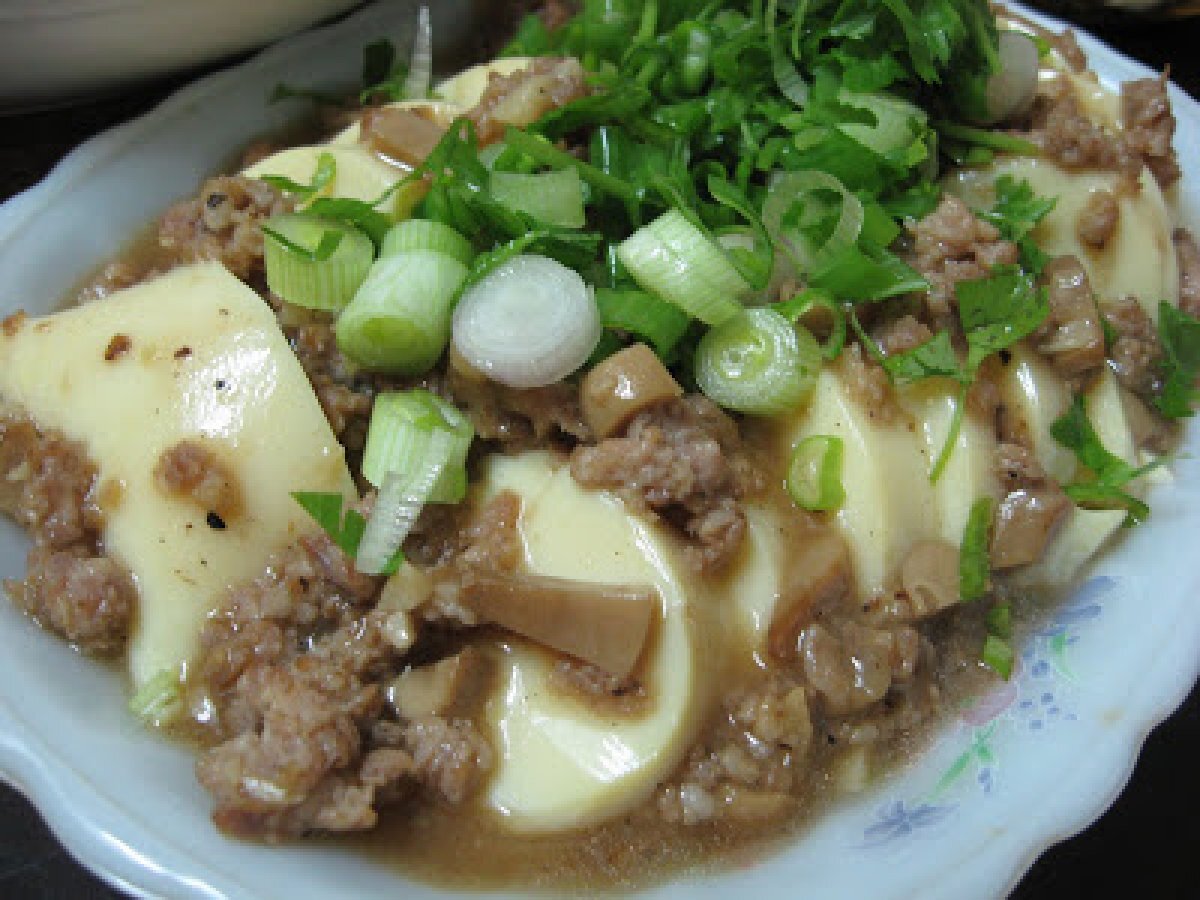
563	761
1034	397
466	88
204	360
890	504
970	471
360	175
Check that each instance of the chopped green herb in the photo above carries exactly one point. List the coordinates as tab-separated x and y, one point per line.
1109	473
933	359
346	531
998	311
1179	335
998	656
1016	213
999	620
974	561
325	172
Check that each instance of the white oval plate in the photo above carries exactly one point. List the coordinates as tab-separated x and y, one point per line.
1049	754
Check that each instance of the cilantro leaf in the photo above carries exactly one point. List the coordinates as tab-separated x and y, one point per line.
974	563
325	172
933	359
1016	213
1109	472
345	531
1179	335
998	311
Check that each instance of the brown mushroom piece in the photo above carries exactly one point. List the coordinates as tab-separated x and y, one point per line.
818	574
1072	336
603	624
929	578
527	94
1026	520
447	687
1098	220
400	135
623	385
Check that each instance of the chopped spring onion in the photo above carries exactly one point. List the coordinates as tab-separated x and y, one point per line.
657	322
1011	90
157	701
672	259
788	226
894	121
814	477
529	322
420	67
400	500
816	302
974	562
555	198
399	321
314	262
758	363
425	234
998	656
401	427
999	620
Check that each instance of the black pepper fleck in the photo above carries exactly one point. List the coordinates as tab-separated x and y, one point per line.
215	522
221	384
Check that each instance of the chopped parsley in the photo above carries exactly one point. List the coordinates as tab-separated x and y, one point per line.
1016	213
1108	472
1179	335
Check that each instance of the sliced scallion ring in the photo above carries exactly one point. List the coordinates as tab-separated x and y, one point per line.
758	362
804	303
402	423
157	702
313	262
672	259
399	321
552	197
425	234
814	475
399	502
800	189
529	322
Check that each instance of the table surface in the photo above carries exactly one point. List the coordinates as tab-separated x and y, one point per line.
1150	837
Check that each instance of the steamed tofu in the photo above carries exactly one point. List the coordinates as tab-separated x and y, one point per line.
1139	260
563	763
890	504
203	360
359	174
970	472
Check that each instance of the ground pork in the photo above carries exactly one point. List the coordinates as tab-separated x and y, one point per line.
87	599
222	224
451	758
867	383
1031	512
1098	220
680	460
952	244
1188	254
191	470
517	418
1149	126
1136	352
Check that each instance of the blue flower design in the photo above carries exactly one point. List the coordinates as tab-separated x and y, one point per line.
897	820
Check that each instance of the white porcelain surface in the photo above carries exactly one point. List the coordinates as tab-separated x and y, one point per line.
51	50
1041	759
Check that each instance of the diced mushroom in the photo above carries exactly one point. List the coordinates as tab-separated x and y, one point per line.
853	668
1025	522
1072	336
445	688
622	386
818	573
526	95
1098	219
603	624
401	135
929	578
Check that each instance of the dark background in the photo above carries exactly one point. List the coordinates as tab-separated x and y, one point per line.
1149	842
